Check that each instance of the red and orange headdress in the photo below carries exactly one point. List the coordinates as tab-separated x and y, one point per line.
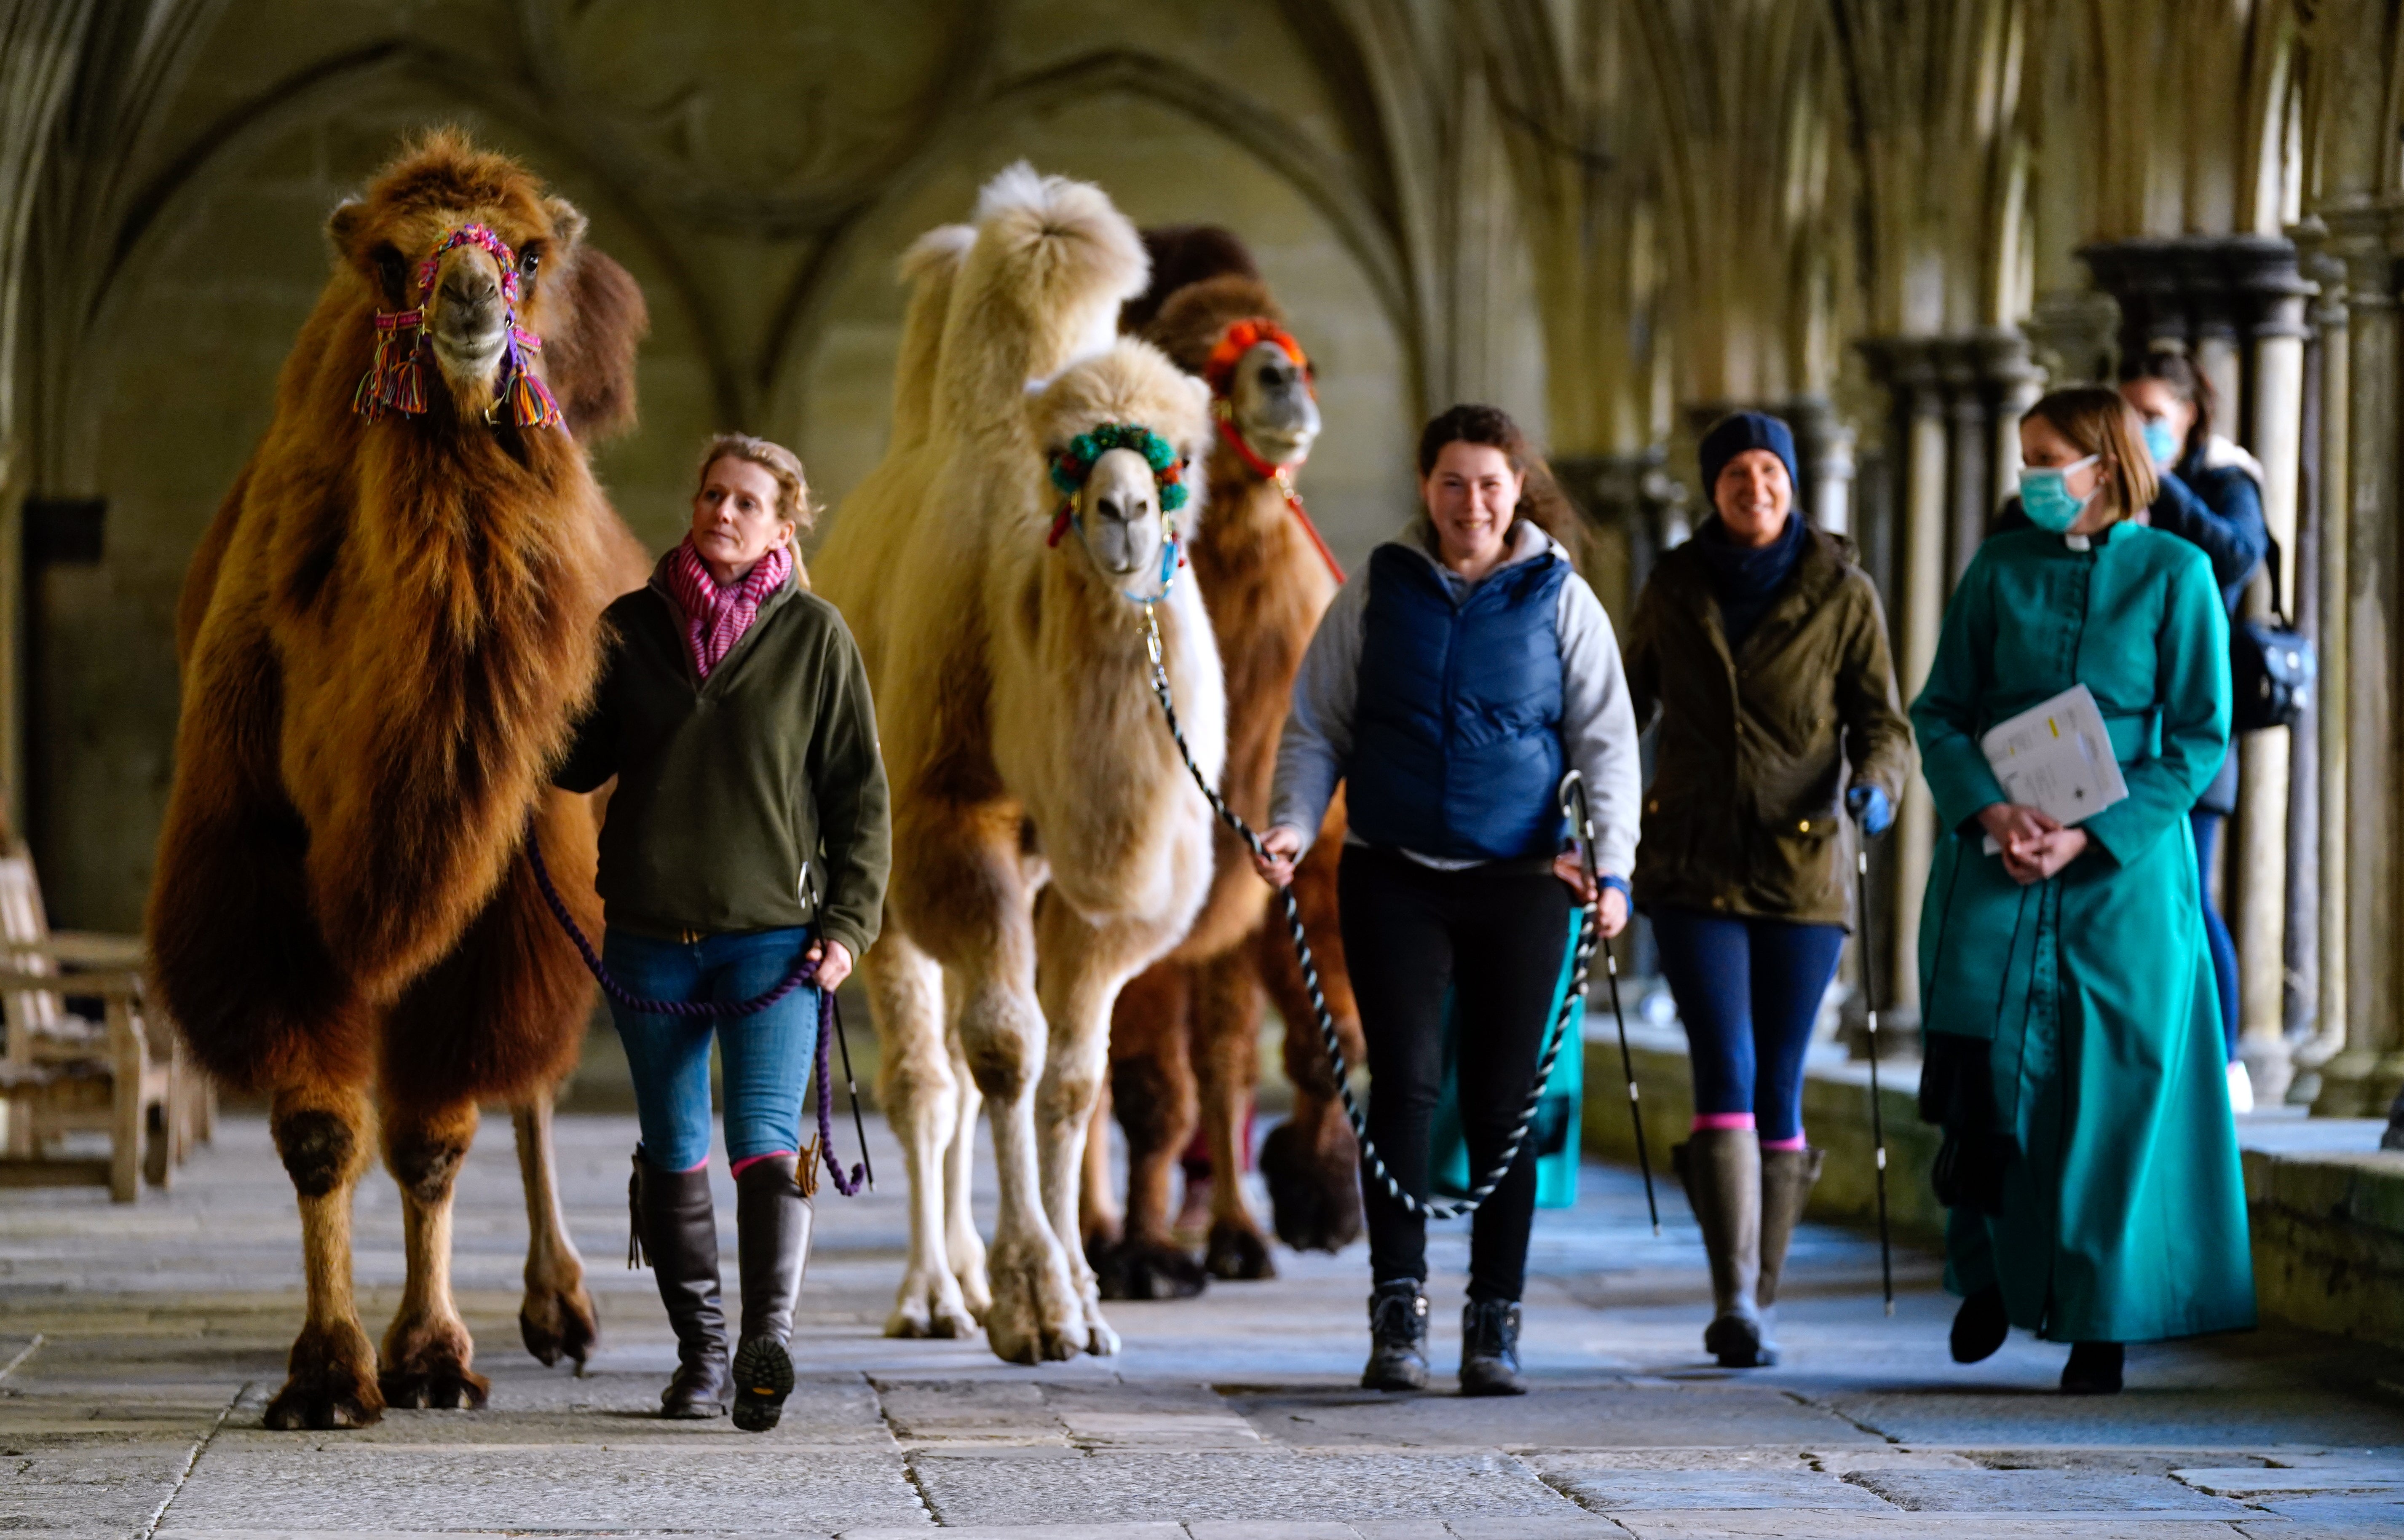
1219	370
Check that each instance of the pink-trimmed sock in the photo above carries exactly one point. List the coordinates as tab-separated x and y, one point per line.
749	1161
1794	1144
1720	1120
694	1167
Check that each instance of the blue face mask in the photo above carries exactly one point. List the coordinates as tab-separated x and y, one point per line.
2044	495
2160	442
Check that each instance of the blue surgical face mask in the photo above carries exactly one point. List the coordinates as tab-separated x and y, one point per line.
2160	442
2044	495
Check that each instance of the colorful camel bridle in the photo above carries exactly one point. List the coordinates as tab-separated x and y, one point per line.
396	381
1218	374
1073	466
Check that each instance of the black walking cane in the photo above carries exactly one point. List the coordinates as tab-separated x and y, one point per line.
1869	1009
1574	808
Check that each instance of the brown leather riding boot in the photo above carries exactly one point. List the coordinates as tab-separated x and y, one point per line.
677	1225
773	1220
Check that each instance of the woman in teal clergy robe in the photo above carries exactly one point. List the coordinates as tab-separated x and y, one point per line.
2074	1052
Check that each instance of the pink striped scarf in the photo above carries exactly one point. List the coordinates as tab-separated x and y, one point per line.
716	618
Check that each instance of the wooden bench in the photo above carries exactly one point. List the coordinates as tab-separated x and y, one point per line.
121	1073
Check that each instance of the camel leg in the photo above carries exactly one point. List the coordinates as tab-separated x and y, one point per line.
965	1246
1099	1218
1311	1162
1084	967
557	1318
920	1099
321	1132
428	1351
1227	1048
1151	1086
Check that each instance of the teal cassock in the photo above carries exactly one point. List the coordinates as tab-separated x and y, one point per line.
2071	1023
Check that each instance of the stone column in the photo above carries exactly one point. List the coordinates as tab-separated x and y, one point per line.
1623	498
1824	448
2362	1077
2329	710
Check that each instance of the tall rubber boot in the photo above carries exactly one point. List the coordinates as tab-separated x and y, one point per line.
676	1224
1721	1170
771	1227
1787	1178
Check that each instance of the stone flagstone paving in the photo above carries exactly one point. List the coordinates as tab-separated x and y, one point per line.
137	1347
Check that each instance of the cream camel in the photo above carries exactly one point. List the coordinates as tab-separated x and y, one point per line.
1047	842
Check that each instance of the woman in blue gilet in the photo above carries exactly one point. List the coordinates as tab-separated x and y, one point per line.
1452	684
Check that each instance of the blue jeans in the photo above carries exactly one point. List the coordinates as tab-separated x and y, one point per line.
2207	825
766	1054
1748	992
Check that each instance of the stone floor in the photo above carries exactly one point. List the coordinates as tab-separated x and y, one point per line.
138	1345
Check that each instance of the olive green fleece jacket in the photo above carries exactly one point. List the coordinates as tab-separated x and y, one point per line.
739	795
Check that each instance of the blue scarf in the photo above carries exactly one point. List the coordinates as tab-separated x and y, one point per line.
1745	578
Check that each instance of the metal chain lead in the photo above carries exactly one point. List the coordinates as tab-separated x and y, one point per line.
1572	1006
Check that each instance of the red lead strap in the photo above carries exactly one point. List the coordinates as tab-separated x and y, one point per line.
1284	480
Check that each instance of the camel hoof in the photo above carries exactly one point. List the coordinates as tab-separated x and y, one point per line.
332	1384
976	1296
928	1310
1237	1252
559	1323
1316	1200
446	1389
1100	1340
1037	1316
1141	1269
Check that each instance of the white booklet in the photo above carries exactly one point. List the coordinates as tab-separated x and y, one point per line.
2057	758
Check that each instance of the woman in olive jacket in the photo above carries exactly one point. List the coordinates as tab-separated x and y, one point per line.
1765	648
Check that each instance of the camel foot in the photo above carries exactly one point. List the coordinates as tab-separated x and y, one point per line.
1100	1340
425	1367
559	1322
1037	1315
331	1383
930	1308
1237	1252
1314	1194
1145	1270
968	1270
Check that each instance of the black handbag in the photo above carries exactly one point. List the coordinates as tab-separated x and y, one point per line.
2271	667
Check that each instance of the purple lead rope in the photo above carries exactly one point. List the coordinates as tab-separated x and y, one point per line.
687	1010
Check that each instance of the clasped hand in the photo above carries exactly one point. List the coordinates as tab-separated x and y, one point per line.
1281	846
2034	846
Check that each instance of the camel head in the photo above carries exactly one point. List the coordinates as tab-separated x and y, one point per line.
463	257
1120	430
1268	394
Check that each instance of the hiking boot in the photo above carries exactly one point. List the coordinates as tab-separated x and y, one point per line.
1489	1348
2094	1368
675	1225
772	1226
1980	1325
1398	1332
1721	1170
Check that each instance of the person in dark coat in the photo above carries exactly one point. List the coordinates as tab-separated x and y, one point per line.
1762	644
2211	497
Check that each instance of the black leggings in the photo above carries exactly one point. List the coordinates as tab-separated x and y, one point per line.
1495	939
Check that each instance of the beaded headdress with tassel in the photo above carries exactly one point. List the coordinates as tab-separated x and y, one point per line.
396	381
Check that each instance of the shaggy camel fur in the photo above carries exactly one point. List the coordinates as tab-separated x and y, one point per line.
1048	843
1184	1037
385	634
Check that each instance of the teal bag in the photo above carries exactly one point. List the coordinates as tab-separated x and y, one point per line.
1555	1129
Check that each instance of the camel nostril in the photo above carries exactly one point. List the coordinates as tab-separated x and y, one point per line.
475	289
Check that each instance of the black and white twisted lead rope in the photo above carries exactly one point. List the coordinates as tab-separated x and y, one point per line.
1573	1004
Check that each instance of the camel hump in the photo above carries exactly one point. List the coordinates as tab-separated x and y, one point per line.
1183	255
1053	261
929	268
1132	382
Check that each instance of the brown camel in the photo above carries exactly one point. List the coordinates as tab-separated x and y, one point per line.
1185	1036
386	635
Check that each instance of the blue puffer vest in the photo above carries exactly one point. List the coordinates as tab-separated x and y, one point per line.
1457	730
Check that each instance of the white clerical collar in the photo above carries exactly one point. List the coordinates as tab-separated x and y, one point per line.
2078	542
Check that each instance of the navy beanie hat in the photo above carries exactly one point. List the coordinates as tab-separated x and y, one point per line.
1739	431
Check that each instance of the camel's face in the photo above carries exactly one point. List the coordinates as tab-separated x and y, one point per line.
1119	509
1273	407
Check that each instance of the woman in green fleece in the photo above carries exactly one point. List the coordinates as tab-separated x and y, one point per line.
749	811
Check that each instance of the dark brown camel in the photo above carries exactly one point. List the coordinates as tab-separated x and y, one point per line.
385	634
